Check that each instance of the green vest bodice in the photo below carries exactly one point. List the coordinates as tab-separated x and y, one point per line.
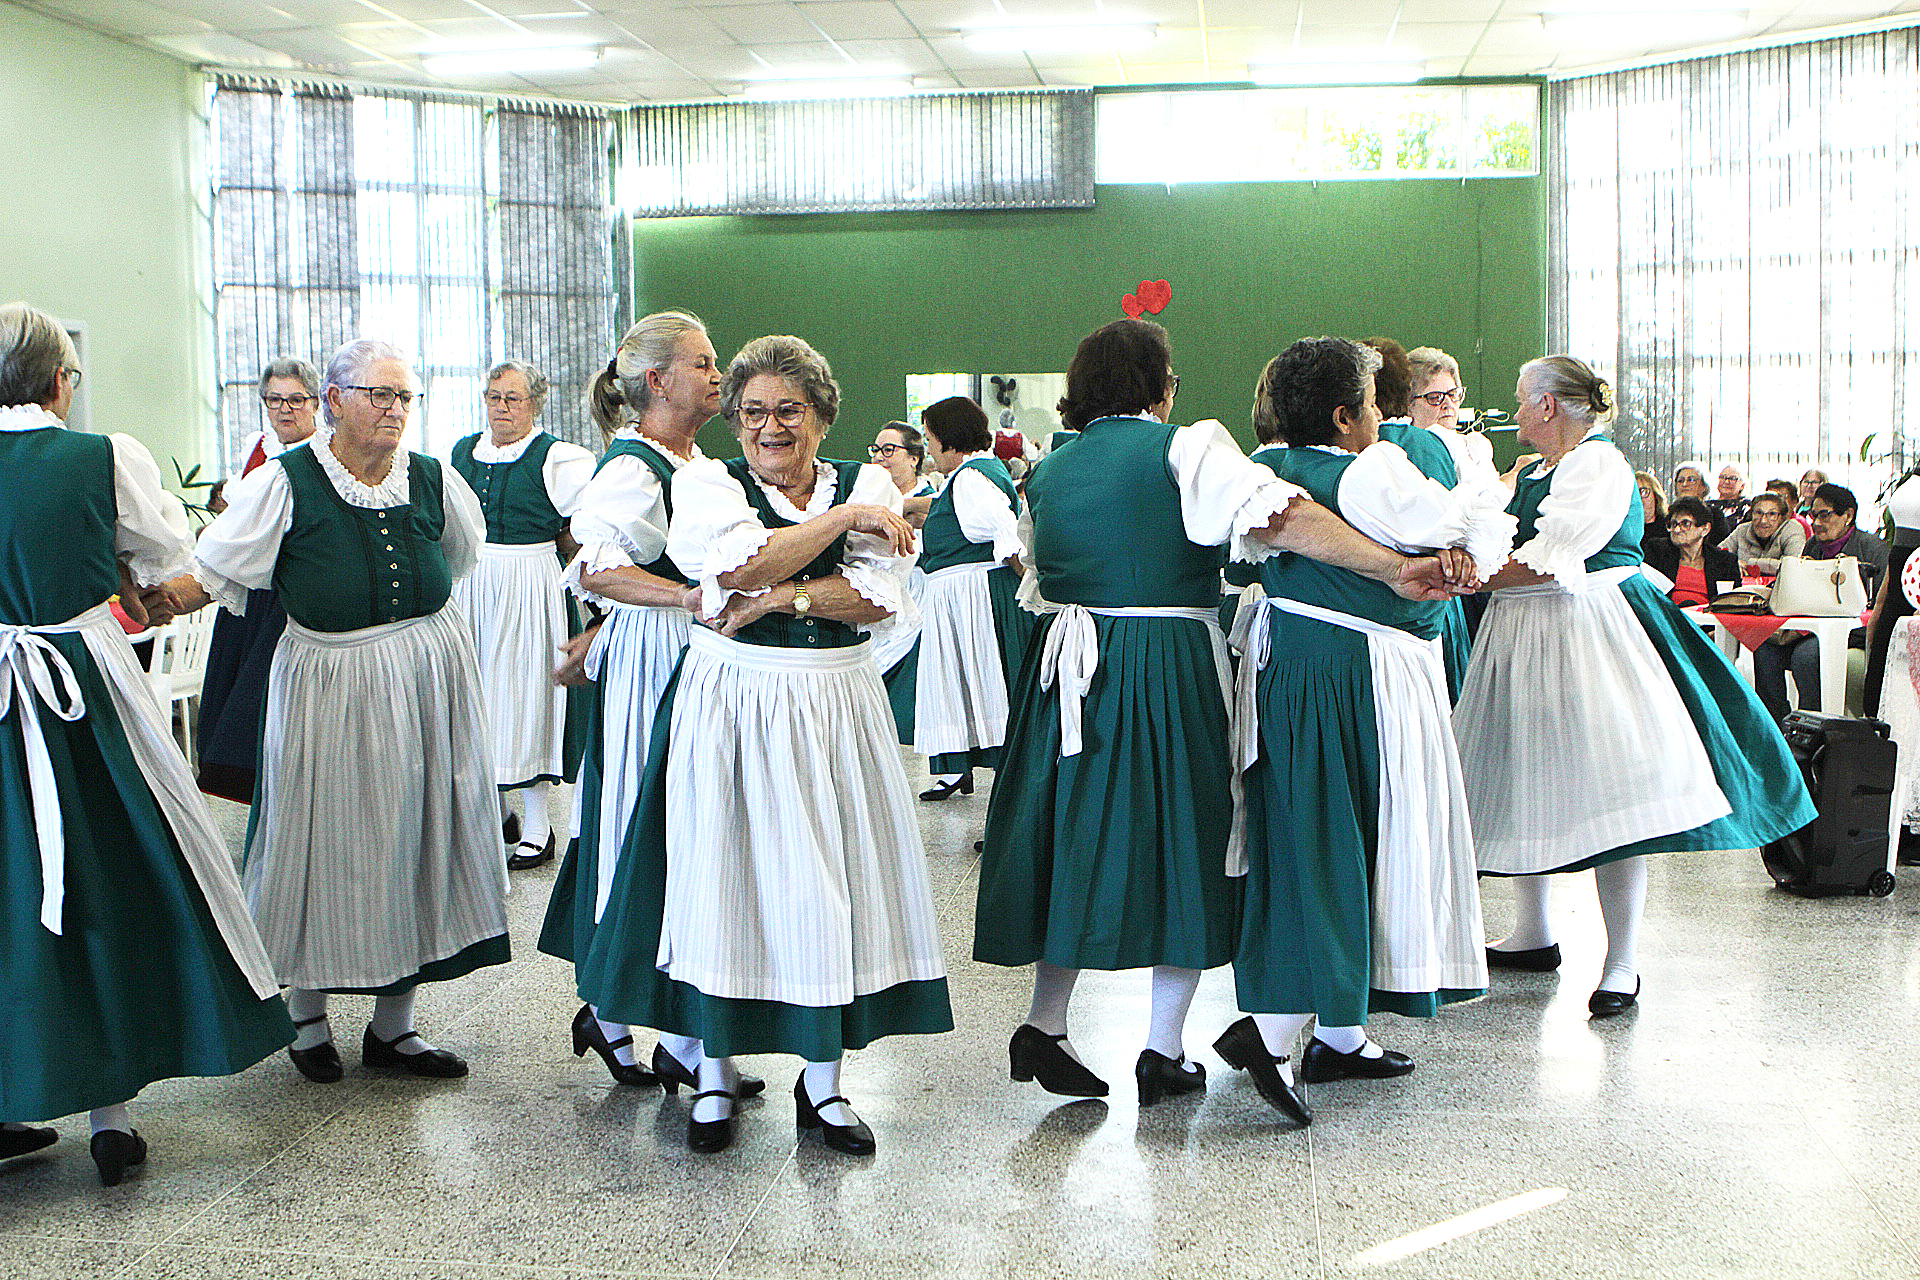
1298	577
652	459
344	567
1623	548
1426	450
943	543
784	630
57	514
513	495
1061	437
1107	531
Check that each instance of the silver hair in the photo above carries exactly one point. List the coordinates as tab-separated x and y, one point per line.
1427	361
351	361
787	357
1734	467
536	381
1697	468
291	367
34	347
1581	394
620	390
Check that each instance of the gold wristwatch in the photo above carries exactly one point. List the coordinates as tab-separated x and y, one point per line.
802	602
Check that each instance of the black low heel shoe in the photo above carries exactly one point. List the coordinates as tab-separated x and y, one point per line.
588	1035
672	1073
1606	1004
1035	1055
1241	1046
1533	960
115	1151
436	1064
20	1142
941	790
1162	1077
320	1064
521	860
855	1139
510	828
709	1136
1321	1062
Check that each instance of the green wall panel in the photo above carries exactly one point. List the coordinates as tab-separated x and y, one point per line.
1460	265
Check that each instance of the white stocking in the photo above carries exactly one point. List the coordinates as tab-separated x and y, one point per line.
1173	989
535	826
1531	928
393	1018
113	1117
716	1073
821	1080
1623	899
304	1006
1279	1031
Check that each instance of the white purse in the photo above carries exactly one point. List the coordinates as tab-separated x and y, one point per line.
1819	588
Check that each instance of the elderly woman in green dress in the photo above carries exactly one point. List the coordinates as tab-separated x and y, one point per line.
772	896
1109	840
126	946
902	450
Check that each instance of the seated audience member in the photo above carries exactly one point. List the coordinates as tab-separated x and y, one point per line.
1834	534
1690	481
1766	536
1732	504
1790	494
1653	508
1699	572
1810	481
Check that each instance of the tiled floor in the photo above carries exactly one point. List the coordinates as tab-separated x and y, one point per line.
1758	1116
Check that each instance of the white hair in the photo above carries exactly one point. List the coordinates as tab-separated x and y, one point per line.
352	361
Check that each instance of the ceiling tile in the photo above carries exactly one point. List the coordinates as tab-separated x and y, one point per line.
233	16
124	17
764	23
857	19
219	49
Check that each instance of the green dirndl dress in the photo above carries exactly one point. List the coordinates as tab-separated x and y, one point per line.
902	675
1115	857
1427	452
140	984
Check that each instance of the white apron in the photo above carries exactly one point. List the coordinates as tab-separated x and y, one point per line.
961	695
519	615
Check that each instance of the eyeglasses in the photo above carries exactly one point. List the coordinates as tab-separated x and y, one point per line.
1173	383
883	450
1684	524
277	403
385	397
73	375
787	413
1822	513
495	399
1441	399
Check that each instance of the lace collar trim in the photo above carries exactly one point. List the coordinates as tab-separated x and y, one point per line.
392	491
484	449
28	417
825	481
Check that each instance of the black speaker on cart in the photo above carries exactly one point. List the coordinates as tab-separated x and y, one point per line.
1848	766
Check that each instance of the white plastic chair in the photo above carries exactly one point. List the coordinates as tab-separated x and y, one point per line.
180	669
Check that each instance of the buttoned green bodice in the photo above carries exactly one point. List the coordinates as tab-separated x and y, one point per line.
943	542
343	567
784	630
513	495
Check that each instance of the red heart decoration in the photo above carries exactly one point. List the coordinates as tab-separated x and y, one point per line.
1155	295
1131	305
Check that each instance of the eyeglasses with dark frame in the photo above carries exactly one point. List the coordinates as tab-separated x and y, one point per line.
883	450
278	402
384	397
788	413
1441	399
507	398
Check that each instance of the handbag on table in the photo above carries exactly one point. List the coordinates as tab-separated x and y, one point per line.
1819	588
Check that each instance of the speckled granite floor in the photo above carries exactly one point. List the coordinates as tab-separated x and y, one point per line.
1758	1116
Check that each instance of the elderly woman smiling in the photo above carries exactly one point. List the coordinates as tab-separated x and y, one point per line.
772	896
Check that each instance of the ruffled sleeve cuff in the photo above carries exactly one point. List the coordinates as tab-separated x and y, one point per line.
879	586
151	569
597	557
728	552
1269	500
228	594
1564	564
1489	538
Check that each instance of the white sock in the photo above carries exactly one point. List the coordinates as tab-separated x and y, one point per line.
535	826
1173	989
393	1018
685	1049
1531	928
1052	991
612	1031
113	1117
1623	899
1279	1031
716	1073
302	1005
821	1081
1347	1040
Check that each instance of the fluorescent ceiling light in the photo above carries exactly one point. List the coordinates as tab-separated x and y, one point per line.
1080	37
1323	72
859	87
493	61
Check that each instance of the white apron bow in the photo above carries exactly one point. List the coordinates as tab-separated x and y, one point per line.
34	669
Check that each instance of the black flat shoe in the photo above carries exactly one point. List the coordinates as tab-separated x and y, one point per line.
1162	1077
1321	1062
855	1139
709	1136
437	1064
510	828
1242	1048
588	1035
1035	1055
20	1142
941	790
672	1073
1536	960
540	855
320	1064
115	1151
1605	1004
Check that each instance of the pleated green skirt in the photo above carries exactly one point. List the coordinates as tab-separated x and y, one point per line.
1456	646
139	986
1114	858
903	686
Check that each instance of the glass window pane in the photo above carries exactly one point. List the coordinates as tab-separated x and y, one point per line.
389	233
383	139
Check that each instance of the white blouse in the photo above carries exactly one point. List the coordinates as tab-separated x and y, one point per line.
984	511
238	551
1593	489
620	519
1385	496
716	530
150	532
565	472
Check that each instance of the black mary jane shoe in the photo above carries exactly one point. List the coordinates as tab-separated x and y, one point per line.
1162	1077
941	790
435	1064
1533	960
1321	1062
528	855
672	1073
320	1064
1607	1004
115	1151
588	1035
855	1139
1242	1048
1035	1055
20	1142
709	1136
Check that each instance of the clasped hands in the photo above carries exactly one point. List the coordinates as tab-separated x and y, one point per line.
1444	574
